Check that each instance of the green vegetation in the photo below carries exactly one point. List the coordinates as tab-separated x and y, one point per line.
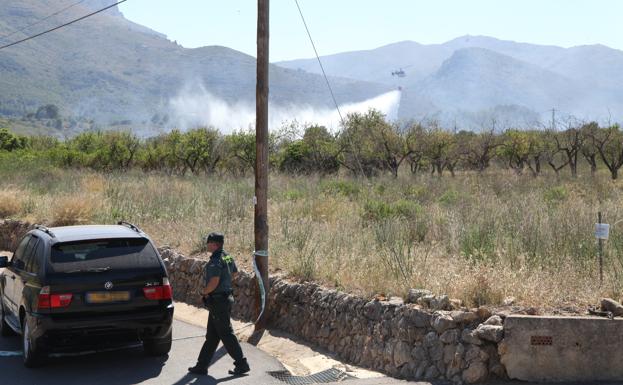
367	146
516	219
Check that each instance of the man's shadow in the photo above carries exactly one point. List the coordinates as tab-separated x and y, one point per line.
193	379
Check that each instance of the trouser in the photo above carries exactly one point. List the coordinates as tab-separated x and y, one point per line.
220	329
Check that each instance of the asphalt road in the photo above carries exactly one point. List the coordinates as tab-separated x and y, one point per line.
131	366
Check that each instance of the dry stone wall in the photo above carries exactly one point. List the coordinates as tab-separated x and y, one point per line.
402	340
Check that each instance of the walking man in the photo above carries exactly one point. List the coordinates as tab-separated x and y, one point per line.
218	298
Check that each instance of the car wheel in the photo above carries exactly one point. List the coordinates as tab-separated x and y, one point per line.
5	329
31	354
158	347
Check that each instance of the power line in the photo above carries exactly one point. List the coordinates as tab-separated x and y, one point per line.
324	74
42	20
320	62
62	25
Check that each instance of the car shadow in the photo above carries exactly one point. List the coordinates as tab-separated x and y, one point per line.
120	367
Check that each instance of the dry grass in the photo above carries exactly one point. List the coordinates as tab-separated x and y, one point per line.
10	203
73	210
476	238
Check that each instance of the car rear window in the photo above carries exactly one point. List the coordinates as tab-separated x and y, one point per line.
116	254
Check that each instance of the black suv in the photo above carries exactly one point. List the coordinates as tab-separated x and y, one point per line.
84	288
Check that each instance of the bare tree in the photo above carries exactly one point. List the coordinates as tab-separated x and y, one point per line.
609	143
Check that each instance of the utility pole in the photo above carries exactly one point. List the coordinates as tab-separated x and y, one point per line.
261	163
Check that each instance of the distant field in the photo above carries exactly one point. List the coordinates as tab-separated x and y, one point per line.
476	238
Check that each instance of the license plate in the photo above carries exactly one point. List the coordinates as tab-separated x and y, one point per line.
108	296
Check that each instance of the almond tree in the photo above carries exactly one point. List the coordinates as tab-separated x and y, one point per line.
439	150
570	143
480	150
371	144
609	143
415	139
589	150
515	150
553	153
537	151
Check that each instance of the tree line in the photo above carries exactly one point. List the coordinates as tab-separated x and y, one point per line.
367	144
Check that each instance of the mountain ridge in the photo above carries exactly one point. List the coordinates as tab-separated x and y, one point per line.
109	68
584	80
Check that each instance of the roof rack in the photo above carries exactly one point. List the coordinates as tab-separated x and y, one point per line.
131	226
45	230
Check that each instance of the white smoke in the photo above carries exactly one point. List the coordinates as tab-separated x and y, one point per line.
198	107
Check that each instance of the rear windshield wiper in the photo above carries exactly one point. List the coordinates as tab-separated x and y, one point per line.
91	270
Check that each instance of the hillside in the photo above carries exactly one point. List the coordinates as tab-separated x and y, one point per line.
482	76
111	69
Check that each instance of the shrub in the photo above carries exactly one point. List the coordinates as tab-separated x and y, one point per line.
480	290
419	193
555	194
379	210
72	210
341	187
478	243
407	209
293	195
449	198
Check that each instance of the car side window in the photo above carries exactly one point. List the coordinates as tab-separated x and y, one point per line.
31	260
18	257
28	251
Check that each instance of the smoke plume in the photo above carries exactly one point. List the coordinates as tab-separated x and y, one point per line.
198	107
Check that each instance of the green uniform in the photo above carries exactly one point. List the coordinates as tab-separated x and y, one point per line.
219	303
221	265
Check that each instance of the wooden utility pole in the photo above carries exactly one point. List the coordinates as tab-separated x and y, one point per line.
261	160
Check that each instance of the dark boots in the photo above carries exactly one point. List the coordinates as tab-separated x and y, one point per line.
240	368
198	370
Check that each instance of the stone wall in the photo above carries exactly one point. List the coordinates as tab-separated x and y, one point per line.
402	340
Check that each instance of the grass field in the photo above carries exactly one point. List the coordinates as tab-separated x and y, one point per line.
478	238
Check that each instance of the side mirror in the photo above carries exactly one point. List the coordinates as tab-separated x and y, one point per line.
4	261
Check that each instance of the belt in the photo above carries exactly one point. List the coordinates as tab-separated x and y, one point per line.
220	295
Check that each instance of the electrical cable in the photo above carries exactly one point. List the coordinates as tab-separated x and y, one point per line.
319	61
62	25
324	74
42	20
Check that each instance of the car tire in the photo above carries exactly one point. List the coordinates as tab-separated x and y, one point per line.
159	346
31	354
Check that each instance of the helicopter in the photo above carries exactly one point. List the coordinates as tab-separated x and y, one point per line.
400	73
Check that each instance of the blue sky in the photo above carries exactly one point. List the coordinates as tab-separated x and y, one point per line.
346	25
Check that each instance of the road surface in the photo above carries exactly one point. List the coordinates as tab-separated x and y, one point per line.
131	366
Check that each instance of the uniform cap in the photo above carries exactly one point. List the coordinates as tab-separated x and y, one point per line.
215	237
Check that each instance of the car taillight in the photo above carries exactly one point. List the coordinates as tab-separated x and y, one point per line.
52	301
159	292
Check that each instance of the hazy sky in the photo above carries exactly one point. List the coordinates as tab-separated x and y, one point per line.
346	25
